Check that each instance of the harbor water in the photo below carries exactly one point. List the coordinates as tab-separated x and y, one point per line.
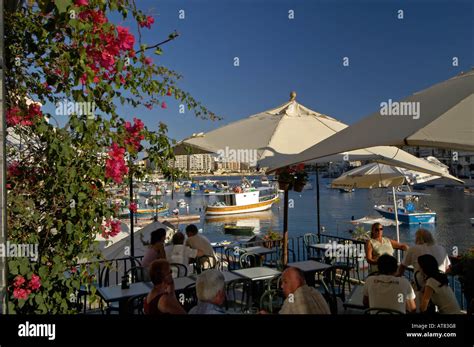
451	230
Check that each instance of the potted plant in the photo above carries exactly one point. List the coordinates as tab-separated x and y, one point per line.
301	178
285	178
463	266
270	238
360	234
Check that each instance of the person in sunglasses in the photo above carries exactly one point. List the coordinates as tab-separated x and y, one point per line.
378	245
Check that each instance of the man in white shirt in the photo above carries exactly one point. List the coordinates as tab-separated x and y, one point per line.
197	241
180	254
386	291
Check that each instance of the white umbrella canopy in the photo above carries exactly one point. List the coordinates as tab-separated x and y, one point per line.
376	175
445	120
289	129
373	175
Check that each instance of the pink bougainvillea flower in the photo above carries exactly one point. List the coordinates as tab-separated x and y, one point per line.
21	294
147	22
125	39
35	282
134	133
115	167
13	169
19	281
133	207
81	2
163	105
148	61
168	92
13	116
115	227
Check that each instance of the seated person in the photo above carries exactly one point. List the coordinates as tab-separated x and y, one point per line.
378	245
386	291
300	298
181	254
425	244
210	290
199	242
436	287
162	298
156	249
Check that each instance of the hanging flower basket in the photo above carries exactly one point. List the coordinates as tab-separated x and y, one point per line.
298	186
284	185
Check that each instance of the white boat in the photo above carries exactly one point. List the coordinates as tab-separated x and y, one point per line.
264	181
472	221
242	201
407	211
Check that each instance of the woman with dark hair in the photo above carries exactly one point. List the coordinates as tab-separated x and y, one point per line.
436	287
162	298
378	245
156	250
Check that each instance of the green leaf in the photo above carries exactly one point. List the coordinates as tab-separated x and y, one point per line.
62	5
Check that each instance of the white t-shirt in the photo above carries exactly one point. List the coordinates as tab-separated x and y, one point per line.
412	254
443	297
385	291
180	254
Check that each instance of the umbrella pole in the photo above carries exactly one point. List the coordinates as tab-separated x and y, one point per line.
132	241
285	229
395	208
317	203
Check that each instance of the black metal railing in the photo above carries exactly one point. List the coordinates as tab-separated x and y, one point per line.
298	251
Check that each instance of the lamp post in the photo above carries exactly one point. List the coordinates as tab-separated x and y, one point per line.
132	239
3	190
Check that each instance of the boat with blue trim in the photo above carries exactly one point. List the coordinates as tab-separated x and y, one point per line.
408	211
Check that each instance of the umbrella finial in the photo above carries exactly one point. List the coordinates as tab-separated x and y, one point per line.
292	96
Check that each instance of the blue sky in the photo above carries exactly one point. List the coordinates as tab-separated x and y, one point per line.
388	57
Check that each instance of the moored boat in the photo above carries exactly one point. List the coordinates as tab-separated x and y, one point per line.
238	230
242	201
407	211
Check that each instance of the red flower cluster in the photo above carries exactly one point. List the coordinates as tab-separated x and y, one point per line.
133	207
104	54
134	133
81	2
115	167
15	116
22	291
147	22
111	228
13	169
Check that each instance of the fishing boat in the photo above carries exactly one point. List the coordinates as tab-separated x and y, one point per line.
264	181
469	191
161	210
472	221
346	190
238	230
407	209
242	201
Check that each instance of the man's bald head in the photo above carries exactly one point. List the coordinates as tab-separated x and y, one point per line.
291	279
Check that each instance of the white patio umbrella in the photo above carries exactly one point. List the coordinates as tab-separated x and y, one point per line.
375	175
289	129
445	120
